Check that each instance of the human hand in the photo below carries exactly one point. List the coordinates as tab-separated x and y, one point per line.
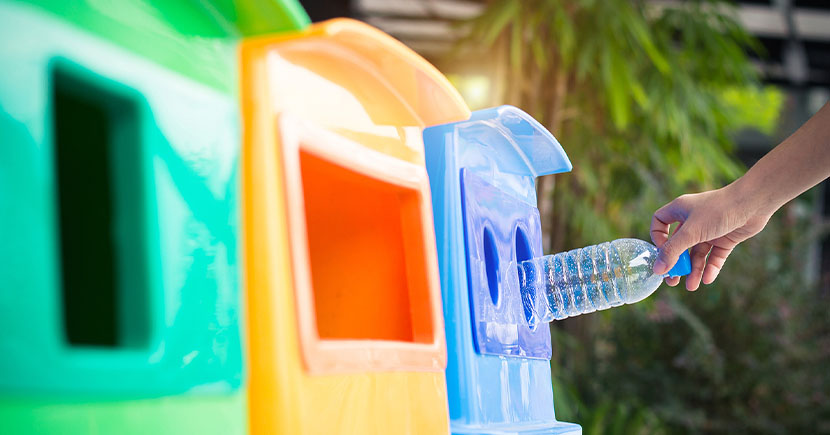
711	224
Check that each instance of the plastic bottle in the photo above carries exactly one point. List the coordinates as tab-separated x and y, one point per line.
588	279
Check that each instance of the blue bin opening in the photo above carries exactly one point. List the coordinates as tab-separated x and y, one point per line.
491	265
523	253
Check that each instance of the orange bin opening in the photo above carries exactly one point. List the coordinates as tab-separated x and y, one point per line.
365	243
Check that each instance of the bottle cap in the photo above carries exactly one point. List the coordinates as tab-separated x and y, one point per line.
682	267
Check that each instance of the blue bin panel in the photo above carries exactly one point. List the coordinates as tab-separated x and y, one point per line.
499	229
482	175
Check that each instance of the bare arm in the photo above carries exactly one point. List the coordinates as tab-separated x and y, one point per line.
797	164
712	223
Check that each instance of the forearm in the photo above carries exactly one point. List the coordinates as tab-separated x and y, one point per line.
797	164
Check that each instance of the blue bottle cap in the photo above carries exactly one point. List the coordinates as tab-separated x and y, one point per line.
683	265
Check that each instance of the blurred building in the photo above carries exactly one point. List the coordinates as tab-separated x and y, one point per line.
794	33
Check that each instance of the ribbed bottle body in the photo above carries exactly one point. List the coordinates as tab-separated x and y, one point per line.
588	279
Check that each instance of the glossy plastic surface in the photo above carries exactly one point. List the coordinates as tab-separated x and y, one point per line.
492	389
196	39
365	270
367	86
173	415
174	230
498	318
187	167
342	278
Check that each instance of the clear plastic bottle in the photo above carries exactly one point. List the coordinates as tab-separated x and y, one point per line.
588	279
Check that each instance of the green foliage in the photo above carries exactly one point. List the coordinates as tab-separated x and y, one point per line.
645	101
746	354
630	90
756	107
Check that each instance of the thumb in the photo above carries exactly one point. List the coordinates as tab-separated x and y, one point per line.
682	239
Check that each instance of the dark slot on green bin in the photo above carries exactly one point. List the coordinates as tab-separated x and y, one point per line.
97	140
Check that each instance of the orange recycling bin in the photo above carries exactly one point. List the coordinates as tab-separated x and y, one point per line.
343	296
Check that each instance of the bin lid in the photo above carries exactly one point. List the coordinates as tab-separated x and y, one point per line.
503	145
353	79
523	135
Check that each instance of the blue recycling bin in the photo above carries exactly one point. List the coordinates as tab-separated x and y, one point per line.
482	174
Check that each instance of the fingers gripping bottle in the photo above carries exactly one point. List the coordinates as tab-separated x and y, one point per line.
589	279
